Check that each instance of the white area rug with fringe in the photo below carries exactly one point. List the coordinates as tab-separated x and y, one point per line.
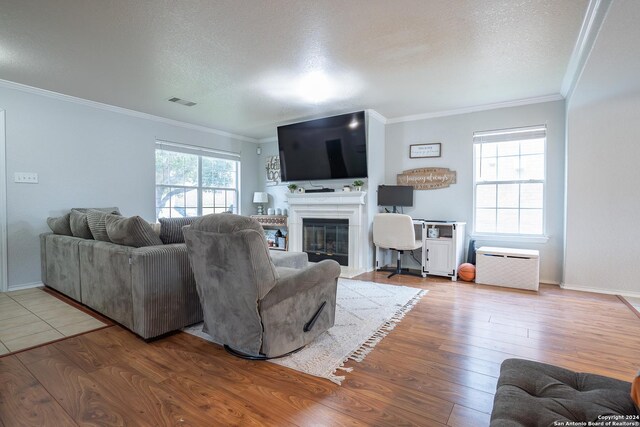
365	313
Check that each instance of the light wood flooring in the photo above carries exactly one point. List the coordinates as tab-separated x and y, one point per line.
35	316
438	367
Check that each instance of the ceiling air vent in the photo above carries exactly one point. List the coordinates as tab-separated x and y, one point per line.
182	102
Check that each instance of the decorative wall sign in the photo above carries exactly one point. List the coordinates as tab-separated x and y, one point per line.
424	150
427	178
273	170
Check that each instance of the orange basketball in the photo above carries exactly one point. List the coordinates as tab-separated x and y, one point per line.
467	272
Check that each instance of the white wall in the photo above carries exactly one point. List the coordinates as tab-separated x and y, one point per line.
456	202
376	167
86	157
603	149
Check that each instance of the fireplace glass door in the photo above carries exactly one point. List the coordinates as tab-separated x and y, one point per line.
326	239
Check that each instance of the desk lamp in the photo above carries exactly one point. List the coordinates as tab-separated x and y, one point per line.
259	198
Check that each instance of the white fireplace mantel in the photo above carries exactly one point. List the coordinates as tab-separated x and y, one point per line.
349	205
335	198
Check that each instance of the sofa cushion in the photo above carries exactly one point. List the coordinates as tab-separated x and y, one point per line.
60	225
171	229
96	220
289	259
533	393
79	225
133	231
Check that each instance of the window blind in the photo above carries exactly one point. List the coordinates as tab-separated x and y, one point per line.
504	135
198	151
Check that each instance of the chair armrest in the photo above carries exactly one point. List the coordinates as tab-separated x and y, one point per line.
301	281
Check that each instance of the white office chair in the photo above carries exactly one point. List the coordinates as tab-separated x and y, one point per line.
395	231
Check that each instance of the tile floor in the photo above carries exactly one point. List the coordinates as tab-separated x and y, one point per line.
32	317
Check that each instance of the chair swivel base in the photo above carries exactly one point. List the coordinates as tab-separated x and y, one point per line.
247	356
403	271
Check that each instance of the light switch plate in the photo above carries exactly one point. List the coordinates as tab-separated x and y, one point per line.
25	177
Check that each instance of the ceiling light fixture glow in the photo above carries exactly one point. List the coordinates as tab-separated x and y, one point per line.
314	87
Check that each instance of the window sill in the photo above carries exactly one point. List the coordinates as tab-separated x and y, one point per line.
509	238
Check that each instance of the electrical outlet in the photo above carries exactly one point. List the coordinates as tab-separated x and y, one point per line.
25	177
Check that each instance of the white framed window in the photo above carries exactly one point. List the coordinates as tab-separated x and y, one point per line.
509	182
193	181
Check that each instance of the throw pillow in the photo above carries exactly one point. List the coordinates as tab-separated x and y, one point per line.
79	225
156	227
60	225
171	229
97	224
133	231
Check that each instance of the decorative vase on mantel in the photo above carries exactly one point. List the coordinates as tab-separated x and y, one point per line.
292	188
357	185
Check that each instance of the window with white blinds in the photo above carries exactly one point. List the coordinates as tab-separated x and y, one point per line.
194	181
509	181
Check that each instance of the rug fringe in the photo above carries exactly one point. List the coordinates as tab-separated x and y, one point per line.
361	352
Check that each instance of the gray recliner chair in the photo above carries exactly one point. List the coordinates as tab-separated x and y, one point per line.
253	308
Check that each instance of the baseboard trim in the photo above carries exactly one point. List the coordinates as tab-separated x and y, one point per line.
25	286
621	292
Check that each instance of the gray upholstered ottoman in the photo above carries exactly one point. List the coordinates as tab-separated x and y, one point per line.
536	394
296	260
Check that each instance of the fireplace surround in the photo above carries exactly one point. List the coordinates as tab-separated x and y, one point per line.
349	206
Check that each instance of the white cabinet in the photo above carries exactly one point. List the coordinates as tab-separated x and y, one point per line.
442	255
438	257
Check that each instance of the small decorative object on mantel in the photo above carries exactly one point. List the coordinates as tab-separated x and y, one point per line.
427	178
273	170
417	151
357	184
346	188
292	188
300	190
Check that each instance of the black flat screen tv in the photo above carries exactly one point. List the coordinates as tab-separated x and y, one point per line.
395	195
329	148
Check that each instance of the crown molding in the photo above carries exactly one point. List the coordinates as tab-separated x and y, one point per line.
269	139
485	107
379	117
120	110
593	19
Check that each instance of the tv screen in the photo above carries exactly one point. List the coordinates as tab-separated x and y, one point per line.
329	148
395	195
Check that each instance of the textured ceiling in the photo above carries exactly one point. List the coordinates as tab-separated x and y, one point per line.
251	65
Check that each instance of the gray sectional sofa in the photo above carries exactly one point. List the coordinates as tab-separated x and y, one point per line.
150	289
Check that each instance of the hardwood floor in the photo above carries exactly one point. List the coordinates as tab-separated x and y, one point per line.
438	367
